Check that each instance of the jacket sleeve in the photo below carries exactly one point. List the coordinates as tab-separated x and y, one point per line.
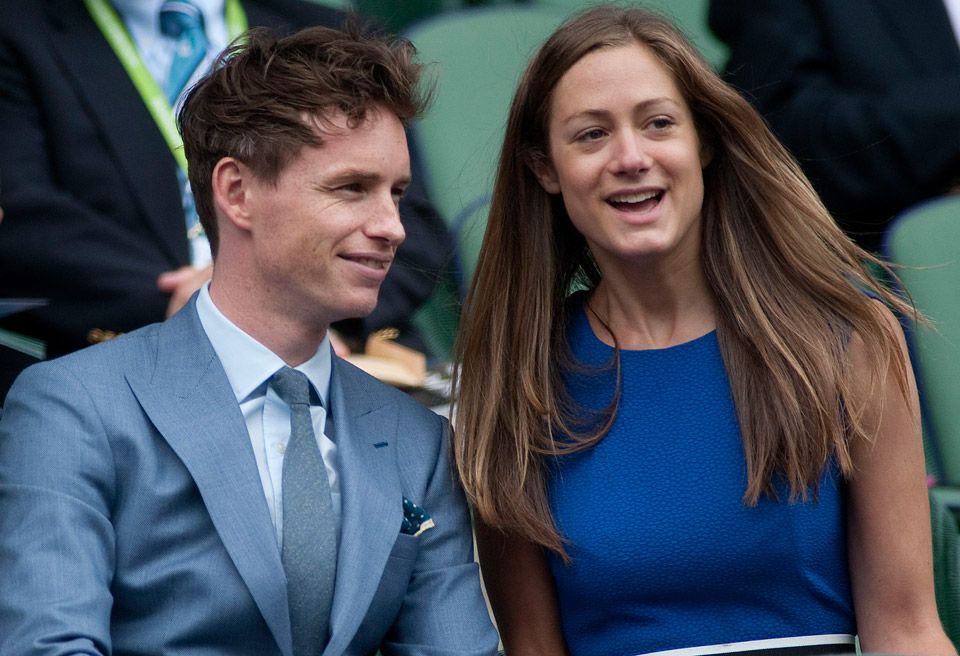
444	612
56	537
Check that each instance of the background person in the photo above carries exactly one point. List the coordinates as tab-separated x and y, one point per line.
221	482
93	194
716	442
866	95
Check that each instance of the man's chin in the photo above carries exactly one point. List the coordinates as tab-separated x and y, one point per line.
358	310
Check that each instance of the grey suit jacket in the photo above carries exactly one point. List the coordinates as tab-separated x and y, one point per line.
132	519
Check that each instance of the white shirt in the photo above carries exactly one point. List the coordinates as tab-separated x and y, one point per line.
249	366
953	10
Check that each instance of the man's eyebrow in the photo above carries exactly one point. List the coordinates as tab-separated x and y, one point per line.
360	175
354	175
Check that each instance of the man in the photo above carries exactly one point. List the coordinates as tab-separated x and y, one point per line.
865	94
95	220
183	489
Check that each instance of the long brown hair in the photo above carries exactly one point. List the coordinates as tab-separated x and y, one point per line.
789	285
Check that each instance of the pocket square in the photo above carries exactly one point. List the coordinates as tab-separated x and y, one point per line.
415	519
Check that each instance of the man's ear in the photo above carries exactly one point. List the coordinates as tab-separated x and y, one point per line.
543	170
232	192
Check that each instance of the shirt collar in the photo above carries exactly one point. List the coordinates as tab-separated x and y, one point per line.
248	363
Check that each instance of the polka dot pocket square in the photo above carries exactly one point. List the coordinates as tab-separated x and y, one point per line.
415	519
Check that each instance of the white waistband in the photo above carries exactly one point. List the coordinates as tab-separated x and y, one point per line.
754	645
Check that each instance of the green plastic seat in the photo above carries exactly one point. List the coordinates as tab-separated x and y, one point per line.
398	14
336	4
476	57
946	566
436	320
925	241
689	15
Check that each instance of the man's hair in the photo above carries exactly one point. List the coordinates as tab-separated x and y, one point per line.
269	96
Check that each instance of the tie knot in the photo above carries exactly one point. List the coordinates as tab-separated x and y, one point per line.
292	386
180	16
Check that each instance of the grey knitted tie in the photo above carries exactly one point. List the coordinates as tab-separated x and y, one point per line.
309	528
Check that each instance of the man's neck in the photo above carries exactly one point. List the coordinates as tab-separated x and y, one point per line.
293	341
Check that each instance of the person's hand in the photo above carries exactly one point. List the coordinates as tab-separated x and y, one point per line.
181	283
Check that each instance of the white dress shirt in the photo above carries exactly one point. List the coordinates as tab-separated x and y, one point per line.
249	366
953	10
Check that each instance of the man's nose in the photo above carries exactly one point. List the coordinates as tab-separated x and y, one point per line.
630	156
386	223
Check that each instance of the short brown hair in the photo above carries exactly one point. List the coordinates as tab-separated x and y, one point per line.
267	94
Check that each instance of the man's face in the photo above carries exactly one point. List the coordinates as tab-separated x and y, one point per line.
325	234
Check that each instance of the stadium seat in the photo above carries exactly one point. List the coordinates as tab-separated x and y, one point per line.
477	56
689	15
924	241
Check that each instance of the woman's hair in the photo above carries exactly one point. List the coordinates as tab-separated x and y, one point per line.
791	290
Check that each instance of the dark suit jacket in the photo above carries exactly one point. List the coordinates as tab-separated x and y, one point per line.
865	94
90	192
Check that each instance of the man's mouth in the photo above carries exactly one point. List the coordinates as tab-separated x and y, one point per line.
370	262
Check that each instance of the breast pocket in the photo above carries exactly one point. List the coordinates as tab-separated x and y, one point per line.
406	547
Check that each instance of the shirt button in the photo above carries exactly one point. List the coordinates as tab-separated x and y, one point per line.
280	447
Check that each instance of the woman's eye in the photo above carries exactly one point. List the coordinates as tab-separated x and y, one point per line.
661	123
591	135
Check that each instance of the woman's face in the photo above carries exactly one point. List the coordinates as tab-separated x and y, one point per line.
626	158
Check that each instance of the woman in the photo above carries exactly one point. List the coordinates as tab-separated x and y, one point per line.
716	440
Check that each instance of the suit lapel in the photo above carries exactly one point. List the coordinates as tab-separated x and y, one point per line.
192	405
923	26
366	426
131	135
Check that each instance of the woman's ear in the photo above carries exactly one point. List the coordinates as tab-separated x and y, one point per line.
546	175
231	182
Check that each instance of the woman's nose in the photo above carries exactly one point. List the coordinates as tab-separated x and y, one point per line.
631	156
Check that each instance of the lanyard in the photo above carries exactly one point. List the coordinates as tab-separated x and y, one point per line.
157	104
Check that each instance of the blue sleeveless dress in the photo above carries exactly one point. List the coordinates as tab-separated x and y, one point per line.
665	554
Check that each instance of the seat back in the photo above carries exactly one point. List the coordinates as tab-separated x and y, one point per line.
925	240
689	15
946	565
336	4
477	56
